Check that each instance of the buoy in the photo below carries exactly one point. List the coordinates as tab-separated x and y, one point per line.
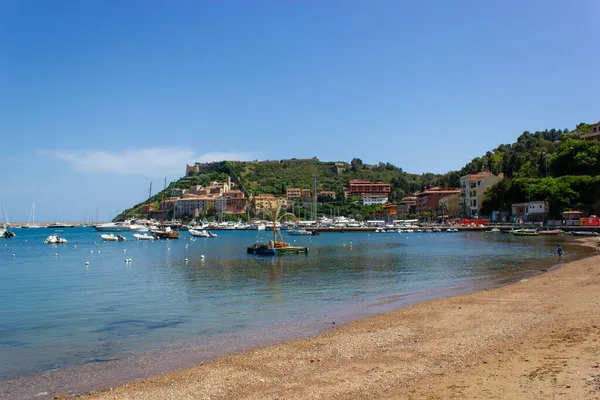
75	245
55	254
186	260
98	251
91	251
87	263
202	257
168	249
14	255
124	250
344	245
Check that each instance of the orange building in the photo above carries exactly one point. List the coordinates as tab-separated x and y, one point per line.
357	187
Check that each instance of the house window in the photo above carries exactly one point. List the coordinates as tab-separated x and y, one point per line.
474	193
478	183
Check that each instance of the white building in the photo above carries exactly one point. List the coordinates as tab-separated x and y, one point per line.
374	199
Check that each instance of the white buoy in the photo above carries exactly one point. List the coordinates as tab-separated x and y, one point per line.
55	254
168	249
98	251
91	251
14	255
124	251
202	257
186	260
87	263
75	245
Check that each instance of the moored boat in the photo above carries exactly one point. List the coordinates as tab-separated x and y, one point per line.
166	233
143	236
112	237
525	232
584	233
552	232
55	239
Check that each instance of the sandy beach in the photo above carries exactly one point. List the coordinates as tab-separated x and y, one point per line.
536	339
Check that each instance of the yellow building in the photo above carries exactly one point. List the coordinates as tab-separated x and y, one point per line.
472	188
449	206
265	202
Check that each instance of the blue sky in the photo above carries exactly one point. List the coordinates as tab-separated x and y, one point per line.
98	98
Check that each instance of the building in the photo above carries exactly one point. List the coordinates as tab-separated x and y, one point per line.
390	211
448	206
177	192
194	206
532	211
472	189
306	195
594	133
407	205
265	202
293	193
357	187
369	199
235	202
327	193
428	201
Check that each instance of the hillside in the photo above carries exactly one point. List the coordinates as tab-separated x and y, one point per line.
551	165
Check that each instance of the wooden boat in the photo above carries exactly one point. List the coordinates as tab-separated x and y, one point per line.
166	233
277	246
525	232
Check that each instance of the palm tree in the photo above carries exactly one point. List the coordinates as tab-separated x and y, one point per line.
276	214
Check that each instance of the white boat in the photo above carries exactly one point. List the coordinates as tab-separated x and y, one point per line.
143	236
112	238
452	230
55	239
299	232
31	223
258	227
202	233
121	227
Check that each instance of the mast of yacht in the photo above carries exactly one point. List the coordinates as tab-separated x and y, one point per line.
314	205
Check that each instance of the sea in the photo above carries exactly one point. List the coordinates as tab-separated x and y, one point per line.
88	314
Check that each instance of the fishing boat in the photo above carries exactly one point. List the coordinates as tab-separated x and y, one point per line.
277	246
166	233
143	236
525	232
112	237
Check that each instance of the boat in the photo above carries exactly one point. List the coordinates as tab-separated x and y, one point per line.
125	226
166	233
584	233
112	238
6	234
277	246
301	232
55	239
552	232
31	223
143	236
203	233
525	232
494	230
452	230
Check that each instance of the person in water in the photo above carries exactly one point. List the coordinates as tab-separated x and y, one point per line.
559	252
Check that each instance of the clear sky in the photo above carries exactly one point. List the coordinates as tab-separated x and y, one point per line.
98	98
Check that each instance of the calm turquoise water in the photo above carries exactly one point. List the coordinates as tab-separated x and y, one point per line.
56	312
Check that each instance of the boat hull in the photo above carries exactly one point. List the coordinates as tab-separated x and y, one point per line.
264	250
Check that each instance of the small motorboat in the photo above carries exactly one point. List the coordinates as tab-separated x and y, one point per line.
55	239
6	234
584	233
452	230
301	232
202	233
167	233
525	232
112	237
552	232
494	230
143	236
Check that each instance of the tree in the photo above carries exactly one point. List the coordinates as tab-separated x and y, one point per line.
356	164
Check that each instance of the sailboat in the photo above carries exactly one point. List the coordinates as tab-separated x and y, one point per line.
31	222
4	232
57	224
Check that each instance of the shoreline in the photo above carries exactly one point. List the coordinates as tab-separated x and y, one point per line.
408	352
292	340
460	346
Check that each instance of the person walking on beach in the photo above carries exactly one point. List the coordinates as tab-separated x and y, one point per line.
559	251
